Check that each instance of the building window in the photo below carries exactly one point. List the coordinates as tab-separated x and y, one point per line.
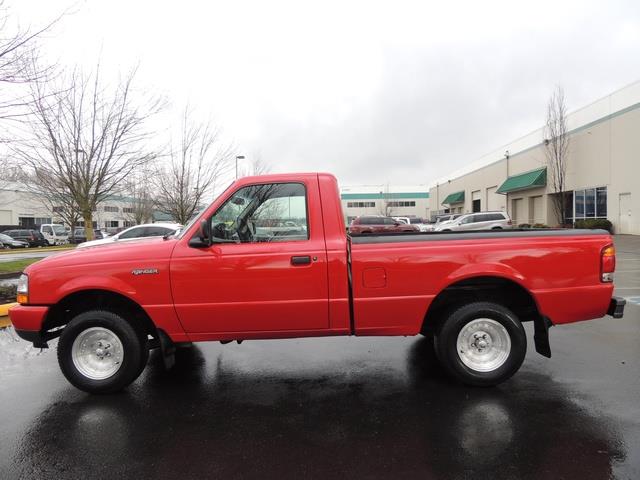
475	207
601	202
589	203
111	224
32	222
402	203
128	223
361	204
127	210
111	209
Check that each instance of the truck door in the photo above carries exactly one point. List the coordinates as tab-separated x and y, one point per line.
256	276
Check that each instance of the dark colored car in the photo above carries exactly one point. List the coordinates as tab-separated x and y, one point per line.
373	224
32	237
7	242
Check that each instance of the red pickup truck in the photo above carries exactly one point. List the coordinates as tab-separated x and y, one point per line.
223	279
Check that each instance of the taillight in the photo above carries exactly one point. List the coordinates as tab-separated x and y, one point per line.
607	263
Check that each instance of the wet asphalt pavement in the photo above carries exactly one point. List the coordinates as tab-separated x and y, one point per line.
337	408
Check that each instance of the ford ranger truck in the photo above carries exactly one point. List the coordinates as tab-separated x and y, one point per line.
227	277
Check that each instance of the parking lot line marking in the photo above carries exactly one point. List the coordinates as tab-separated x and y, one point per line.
634	300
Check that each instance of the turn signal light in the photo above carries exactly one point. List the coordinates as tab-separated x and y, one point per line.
22	298
608	263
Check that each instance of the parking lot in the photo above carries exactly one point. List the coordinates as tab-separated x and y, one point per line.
338	408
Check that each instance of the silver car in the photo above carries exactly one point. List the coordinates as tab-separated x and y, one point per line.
477	221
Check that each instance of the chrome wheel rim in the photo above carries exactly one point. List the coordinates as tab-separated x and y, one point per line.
97	353
483	345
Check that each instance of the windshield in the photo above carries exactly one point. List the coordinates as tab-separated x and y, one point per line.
59	230
5	238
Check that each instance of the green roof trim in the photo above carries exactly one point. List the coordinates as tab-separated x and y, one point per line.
457	197
524	181
379	196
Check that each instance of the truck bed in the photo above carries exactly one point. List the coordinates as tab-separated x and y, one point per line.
471	235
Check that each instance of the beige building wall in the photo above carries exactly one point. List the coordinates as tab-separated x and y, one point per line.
604	152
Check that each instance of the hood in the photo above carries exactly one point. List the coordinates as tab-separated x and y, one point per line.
147	248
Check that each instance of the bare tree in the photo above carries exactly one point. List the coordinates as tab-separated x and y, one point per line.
256	166
557	150
194	165
140	201
19	65
87	139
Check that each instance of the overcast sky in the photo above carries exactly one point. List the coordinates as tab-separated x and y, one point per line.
374	92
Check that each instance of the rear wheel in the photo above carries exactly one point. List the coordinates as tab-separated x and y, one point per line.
100	352
481	343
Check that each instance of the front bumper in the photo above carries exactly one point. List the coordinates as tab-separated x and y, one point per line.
616	307
28	322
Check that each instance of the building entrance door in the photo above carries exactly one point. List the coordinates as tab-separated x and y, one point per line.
625	215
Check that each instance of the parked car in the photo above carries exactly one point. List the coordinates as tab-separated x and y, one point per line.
417	221
365	225
54	234
477	221
80	236
470	292
133	233
7	242
32	237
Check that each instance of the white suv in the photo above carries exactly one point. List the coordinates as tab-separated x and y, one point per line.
477	221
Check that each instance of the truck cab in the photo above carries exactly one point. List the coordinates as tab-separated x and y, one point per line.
54	234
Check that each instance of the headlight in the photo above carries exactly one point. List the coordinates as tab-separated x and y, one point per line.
23	289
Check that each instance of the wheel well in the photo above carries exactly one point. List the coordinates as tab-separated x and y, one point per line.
490	289
70	306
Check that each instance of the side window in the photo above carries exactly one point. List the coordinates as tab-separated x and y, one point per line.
133	233
275	212
390	221
155	231
466	220
47	230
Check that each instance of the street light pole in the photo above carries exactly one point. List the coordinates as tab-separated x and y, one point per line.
238	157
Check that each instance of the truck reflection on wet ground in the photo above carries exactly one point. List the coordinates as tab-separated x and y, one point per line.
233	413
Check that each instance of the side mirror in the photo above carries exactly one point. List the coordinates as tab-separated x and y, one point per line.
203	238
205	231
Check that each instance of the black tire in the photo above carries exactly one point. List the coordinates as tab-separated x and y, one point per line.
496	228
134	346
446	342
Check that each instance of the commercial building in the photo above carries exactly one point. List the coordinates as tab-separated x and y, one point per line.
396	201
602	173
19	205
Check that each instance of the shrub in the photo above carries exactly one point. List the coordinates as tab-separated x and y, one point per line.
524	225
595	223
539	225
7	293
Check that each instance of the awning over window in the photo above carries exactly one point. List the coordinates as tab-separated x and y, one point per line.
524	181
457	197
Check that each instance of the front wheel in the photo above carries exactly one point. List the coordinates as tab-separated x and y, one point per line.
100	352
481	343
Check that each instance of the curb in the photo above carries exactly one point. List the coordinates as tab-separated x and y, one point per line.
4	311
16	251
